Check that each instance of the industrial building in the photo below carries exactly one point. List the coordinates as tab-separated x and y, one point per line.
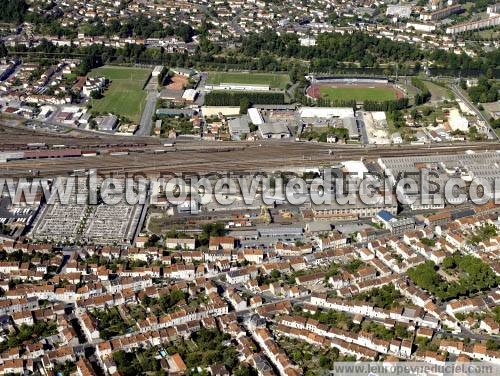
106	123
393	224
457	122
484	166
238	87
255	116
281	231
326	112
351	124
189	95
358	209
238	127
274	130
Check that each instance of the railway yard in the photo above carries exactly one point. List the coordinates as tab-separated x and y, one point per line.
111	154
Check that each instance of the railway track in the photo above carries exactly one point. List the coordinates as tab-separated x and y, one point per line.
214	157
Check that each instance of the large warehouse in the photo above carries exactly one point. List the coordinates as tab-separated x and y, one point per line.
326	112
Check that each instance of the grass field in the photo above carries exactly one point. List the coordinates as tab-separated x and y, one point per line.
124	96
438	93
275	81
358	93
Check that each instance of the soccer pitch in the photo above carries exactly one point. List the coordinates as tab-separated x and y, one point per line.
124	95
358	94
275	81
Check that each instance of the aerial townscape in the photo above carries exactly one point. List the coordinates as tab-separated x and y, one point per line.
249	187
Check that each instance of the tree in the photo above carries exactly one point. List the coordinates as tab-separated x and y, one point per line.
13	10
163	74
475	276
492	345
275	274
211	229
448	263
424	95
484	91
169	300
245	370
3	50
4	229
93	124
425	276
244	104
96	94
185	32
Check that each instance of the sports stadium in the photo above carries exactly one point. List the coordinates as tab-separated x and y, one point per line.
358	89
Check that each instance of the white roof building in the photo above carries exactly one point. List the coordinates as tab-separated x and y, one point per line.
255	116
307	41
457	122
378	115
396	138
157	70
45	111
355	168
189	95
402	11
421	27
326	112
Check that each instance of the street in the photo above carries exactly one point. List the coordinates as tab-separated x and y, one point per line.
456	90
146	123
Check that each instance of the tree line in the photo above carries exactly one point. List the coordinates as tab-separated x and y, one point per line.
485	91
264	61
139	26
390	106
332	49
326	102
424	95
13	10
163	75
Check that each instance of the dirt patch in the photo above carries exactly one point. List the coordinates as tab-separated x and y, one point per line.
177	82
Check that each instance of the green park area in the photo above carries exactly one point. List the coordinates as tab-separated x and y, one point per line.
438	92
125	95
466	275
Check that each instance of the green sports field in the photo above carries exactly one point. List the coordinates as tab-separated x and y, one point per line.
358	94
275	81
124	96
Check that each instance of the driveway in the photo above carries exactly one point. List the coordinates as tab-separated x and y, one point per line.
147	114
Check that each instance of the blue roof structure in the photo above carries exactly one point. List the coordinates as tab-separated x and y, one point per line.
385	215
